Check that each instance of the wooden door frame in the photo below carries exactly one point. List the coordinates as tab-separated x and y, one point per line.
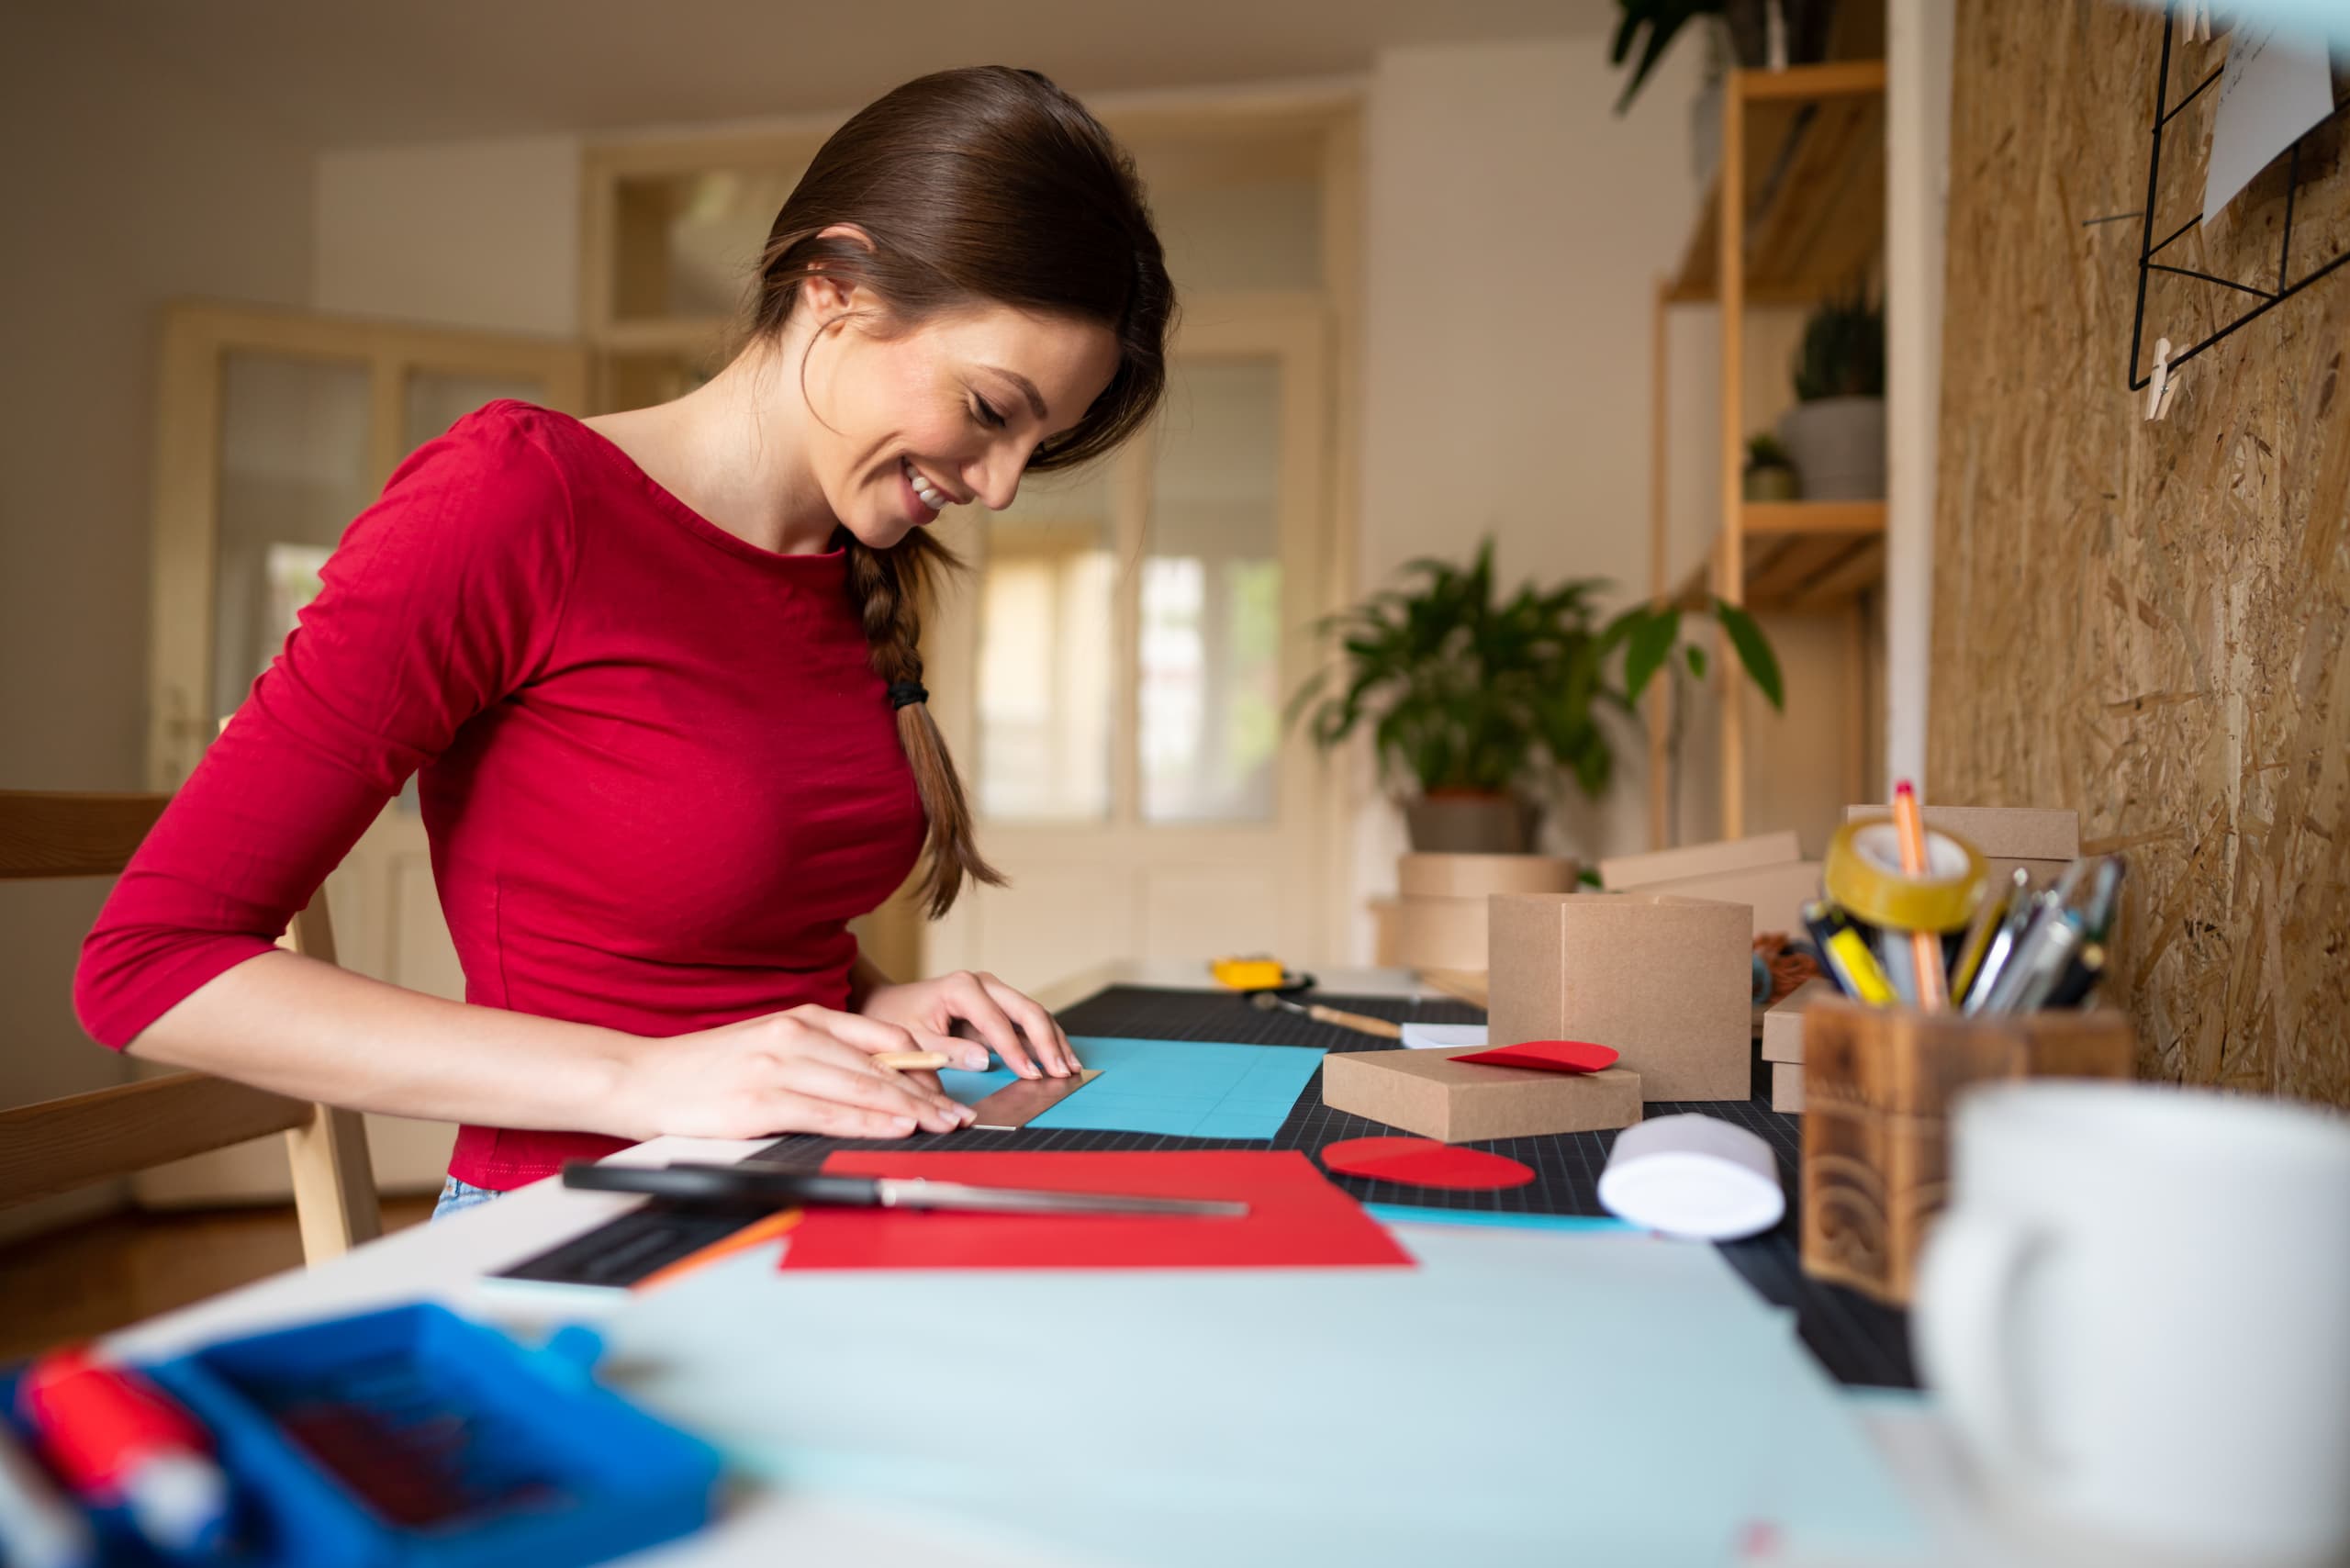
196	335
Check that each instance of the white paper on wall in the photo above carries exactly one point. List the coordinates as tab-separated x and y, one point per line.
2276	84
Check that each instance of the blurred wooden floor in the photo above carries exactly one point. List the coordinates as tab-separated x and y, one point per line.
106	1273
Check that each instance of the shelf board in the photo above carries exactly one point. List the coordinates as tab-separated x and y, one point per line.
1813	186
1800	556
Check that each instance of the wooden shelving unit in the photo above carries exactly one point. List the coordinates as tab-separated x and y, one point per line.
1796	210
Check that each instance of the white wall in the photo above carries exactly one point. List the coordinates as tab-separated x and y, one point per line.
1515	229
480	234
126	185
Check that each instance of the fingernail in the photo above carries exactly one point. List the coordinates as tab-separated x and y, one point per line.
976	1062
904	1124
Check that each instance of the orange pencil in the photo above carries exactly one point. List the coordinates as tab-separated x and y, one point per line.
1933	987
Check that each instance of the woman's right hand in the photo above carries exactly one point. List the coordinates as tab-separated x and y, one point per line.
808	1069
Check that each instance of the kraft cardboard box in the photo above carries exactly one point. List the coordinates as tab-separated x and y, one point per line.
2040	840
1666	981
1430	1093
1782	1021
1786	1087
1442	933
1766	873
1480	876
1440	918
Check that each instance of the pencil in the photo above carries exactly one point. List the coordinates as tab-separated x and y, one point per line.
1933	992
909	1062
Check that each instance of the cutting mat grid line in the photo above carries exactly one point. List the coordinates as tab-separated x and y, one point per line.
1857	1340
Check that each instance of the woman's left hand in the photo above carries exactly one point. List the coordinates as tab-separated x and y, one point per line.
1027	1036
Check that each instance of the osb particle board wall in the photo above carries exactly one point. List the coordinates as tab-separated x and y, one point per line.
2146	621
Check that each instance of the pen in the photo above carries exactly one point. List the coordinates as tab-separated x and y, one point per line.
37	1528
113	1435
1980	931
2021	911
2080	977
2039	962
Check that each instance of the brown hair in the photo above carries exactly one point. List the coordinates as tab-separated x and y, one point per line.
988	185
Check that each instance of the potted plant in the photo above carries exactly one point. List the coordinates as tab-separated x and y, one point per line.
1474	703
1836	431
1802	29
1770	474
1652	641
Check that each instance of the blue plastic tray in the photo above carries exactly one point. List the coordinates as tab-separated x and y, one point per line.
413	1439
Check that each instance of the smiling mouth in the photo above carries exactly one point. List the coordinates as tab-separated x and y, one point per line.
929	497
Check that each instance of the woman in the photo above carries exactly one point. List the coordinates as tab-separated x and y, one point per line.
658	673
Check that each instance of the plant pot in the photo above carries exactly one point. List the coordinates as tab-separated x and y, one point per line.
1772	482
1837	445
1471	823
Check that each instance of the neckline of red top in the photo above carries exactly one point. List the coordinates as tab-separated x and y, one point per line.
673	506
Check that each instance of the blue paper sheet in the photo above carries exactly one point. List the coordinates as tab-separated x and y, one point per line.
1181	1088
1607	1397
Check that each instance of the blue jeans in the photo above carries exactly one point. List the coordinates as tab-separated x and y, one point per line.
458	1196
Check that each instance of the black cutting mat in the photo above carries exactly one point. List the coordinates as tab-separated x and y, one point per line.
1858	1341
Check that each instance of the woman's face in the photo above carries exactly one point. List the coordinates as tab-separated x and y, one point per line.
946	414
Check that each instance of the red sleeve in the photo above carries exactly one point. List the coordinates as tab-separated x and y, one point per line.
442	598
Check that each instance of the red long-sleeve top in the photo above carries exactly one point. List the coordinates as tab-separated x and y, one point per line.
656	770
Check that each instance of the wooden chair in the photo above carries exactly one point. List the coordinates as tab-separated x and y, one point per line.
59	1144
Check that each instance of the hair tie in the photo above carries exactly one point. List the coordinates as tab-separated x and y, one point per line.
902	692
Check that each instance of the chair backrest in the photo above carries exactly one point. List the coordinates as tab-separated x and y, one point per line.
58	1145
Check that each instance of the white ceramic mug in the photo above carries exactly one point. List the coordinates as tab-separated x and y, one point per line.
2136	1312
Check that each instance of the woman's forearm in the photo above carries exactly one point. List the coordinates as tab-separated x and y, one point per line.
315	1031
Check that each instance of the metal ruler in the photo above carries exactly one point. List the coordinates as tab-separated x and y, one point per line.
1017	1104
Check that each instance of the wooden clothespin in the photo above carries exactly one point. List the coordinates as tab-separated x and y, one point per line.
2161	385
2195	20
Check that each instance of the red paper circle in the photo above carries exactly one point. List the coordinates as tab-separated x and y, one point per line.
1424	1163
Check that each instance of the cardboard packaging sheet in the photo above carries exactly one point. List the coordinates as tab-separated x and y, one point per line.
1767	873
1430	1093
1666	981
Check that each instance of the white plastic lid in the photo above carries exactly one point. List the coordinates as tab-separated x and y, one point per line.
1693	1176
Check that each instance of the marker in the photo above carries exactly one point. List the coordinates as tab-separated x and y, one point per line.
115	1436
2022	909
2080	977
37	1528
1845	954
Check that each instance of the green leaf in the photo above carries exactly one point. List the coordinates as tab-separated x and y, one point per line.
1652	639
1753	651
1696	657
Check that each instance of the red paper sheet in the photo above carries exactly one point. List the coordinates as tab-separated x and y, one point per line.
1296	1219
1424	1163
1552	1056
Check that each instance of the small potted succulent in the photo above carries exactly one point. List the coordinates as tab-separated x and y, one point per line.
1836	431
1770	474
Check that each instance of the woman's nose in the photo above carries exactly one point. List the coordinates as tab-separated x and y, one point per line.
995	479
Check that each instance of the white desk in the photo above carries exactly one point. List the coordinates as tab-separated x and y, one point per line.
447	1261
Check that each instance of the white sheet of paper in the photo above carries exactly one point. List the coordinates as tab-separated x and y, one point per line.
1440	1037
2276	86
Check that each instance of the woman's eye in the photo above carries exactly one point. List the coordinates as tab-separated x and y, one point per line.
984	412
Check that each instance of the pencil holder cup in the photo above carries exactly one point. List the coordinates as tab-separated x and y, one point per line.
1879	1083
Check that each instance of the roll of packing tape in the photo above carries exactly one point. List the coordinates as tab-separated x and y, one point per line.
1864	874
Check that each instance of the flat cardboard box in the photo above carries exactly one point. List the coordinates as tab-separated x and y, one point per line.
1476	875
1667	980
2041	841
1430	1093
1618	873
1782	1021
1442	933
1786	1087
1766	873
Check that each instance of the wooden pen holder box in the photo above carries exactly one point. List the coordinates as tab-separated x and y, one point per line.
1879	1083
